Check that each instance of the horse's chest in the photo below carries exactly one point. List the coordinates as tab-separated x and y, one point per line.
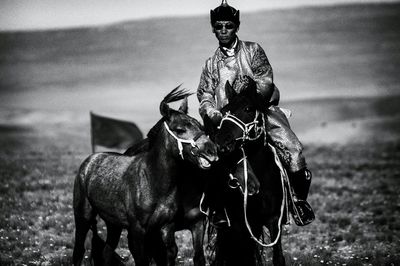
165	210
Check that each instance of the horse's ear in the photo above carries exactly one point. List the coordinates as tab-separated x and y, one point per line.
229	91
165	110
252	92
251	88
209	127
184	106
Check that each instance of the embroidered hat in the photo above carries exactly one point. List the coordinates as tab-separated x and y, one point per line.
224	12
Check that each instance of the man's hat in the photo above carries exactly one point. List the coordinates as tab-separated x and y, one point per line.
224	12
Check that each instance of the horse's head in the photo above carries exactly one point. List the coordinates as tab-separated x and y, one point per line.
186	136
241	117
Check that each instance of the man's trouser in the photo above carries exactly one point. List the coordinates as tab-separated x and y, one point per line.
288	146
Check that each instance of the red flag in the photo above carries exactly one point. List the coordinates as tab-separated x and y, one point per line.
113	133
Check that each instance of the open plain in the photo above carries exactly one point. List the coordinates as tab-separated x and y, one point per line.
337	68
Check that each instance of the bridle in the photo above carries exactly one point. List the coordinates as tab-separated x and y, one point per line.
180	141
259	130
246	127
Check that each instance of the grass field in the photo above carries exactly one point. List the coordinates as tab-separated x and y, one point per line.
354	193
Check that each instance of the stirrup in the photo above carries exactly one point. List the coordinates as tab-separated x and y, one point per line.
302	212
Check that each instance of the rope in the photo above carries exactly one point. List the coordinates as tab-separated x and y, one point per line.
246	128
283	174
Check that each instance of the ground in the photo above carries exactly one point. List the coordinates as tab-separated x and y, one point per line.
354	193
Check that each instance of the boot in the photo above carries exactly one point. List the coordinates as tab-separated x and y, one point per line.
300	182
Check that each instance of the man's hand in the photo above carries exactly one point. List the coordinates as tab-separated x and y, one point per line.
212	122
216	118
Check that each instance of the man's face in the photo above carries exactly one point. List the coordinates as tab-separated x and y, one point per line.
225	31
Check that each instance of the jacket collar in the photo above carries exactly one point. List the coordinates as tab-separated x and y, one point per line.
232	51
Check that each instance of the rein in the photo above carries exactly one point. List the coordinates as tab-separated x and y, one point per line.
245	196
192	142
246	128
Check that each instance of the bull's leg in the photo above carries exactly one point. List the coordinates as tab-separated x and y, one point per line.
197	230
113	235
277	258
168	237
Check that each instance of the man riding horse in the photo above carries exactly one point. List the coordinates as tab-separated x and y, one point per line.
235	61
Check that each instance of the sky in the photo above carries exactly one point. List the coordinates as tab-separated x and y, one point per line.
49	14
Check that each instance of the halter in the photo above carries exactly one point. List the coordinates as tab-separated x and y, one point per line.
192	142
246	127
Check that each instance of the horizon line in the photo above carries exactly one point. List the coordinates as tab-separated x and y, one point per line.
98	24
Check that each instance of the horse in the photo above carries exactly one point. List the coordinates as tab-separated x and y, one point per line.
140	193
242	130
191	186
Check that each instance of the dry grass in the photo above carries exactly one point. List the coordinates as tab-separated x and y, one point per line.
354	193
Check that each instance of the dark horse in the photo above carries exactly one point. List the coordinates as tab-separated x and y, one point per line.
140	193
191	185
242	130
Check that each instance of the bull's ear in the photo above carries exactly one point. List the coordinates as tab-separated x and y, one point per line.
165	110
184	106
229	91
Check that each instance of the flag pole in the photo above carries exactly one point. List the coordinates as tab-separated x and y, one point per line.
91	132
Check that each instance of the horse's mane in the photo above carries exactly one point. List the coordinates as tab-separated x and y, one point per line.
175	95
154	131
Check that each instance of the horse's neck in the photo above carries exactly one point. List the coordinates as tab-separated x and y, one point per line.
255	150
164	165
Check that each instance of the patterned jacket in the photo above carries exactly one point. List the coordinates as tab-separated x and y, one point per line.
248	59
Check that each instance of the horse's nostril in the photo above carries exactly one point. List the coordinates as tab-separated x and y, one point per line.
210	149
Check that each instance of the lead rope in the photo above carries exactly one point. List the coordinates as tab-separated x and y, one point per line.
245	194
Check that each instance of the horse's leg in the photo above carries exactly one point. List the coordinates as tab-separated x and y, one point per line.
84	217
277	258
197	230
136	243
168	237
113	236
158	250
82	226
98	245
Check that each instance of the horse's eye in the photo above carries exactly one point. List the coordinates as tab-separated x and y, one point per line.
248	109
180	130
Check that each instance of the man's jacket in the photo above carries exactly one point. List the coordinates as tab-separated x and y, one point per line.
248	59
